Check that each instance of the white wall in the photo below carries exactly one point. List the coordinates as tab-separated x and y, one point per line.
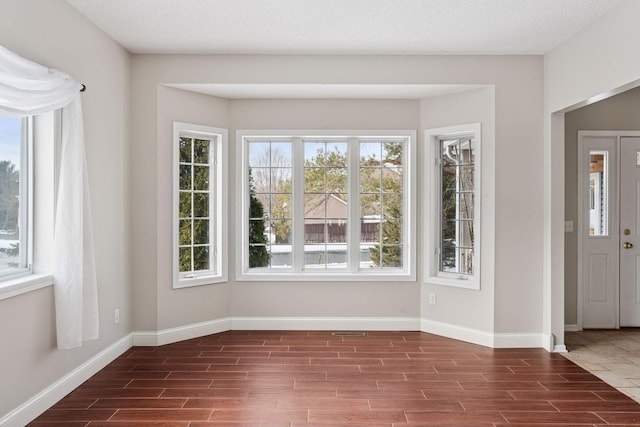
518	139
54	34
597	62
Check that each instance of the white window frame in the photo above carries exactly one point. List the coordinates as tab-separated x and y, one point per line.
353	272
39	147
217	206
432	204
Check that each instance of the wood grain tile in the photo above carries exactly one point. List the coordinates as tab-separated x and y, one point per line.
313	379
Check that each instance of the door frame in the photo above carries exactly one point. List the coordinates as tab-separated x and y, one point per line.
582	215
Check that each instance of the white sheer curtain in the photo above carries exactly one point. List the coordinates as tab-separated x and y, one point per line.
27	88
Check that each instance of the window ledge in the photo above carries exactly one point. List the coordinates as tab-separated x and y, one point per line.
470	283
324	277
24	284
199	281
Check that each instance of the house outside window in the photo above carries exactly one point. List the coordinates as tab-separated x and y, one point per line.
326	205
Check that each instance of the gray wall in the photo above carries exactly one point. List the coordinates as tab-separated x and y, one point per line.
620	112
54	34
517	135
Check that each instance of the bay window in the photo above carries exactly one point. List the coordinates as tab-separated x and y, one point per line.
326	204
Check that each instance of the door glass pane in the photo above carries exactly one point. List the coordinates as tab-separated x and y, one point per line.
598	194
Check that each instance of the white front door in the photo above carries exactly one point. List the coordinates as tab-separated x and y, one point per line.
598	274
609	227
629	246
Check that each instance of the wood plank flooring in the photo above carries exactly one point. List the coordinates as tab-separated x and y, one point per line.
313	379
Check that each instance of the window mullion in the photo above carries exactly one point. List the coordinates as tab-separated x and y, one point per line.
213	216
353	196
297	213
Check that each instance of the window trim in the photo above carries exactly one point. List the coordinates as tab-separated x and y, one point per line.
405	274
44	140
432	203
218	194
25	191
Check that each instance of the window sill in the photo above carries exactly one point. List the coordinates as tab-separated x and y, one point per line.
327	277
24	284
199	281
470	283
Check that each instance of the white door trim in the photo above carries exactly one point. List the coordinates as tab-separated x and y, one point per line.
582	224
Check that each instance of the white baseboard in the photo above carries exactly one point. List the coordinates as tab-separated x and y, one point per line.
522	340
560	349
181	333
461	333
487	339
42	401
326	323
571	328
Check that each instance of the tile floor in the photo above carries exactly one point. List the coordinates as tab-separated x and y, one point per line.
611	355
318	379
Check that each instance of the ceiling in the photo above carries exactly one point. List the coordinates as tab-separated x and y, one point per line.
342	26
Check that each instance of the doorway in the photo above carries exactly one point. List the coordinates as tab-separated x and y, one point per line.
609	229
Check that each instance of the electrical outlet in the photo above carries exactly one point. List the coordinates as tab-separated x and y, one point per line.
432	298
116	316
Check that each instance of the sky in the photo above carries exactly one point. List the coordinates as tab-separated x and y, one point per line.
10	130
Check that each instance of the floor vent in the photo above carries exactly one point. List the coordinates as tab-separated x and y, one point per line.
349	334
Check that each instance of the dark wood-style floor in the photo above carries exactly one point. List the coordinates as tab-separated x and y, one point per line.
242	378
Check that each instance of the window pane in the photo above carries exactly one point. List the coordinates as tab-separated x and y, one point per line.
314	180
185	259
370	153
11	137
201	258
392	231
314	153
392	153
201	205
457	205
259	154
314	231
598	194
466	178
336	154
270	204
185	177
392	206
200	231
281	154
326	204
201	178
381	202
280	180
281	205
185	232
201	151
281	231
391	256
185	204
370	206
336	179
185	150
280	256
